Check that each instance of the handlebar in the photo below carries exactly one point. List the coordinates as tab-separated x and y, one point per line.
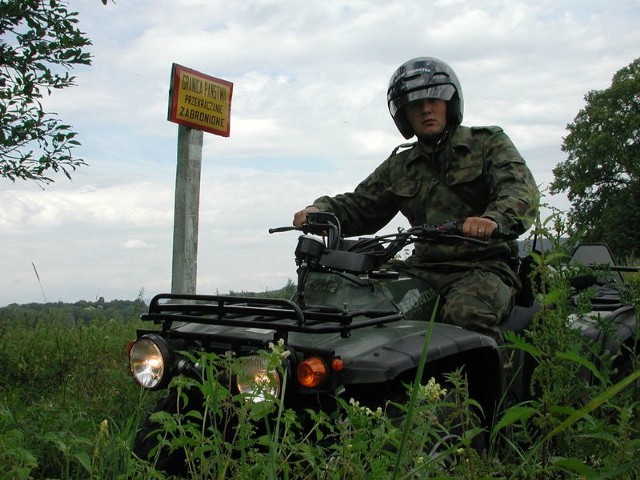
322	223
378	249
359	256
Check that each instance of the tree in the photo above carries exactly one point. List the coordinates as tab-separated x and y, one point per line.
39	43
602	172
619	223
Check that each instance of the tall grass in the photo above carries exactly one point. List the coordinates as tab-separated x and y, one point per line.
68	408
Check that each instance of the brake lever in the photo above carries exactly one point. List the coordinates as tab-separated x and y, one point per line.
463	238
313	228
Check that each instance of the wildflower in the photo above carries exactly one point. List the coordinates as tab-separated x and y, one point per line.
370	413
594	460
104	428
279	349
103	434
432	391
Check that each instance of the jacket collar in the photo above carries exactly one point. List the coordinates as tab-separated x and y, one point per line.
460	139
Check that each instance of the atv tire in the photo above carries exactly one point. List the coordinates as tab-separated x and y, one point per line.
146	440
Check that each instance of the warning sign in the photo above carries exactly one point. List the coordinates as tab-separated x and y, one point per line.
200	101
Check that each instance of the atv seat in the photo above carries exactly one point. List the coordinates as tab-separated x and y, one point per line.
519	319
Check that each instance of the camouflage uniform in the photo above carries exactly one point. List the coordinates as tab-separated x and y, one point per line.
476	172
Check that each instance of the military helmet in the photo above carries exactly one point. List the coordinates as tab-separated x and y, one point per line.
424	77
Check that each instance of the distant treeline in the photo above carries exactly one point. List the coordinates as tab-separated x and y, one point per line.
78	312
285	292
115	310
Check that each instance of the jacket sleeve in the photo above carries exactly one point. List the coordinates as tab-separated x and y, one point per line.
513	192
368	208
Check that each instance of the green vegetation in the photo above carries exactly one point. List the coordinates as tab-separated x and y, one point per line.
39	43
69	409
601	174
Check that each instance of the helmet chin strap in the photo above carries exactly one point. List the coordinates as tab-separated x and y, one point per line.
435	140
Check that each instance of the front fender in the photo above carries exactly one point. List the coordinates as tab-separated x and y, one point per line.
384	354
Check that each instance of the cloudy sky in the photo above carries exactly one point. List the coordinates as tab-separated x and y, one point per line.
309	117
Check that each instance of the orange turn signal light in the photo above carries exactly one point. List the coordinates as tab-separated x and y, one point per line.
337	365
311	372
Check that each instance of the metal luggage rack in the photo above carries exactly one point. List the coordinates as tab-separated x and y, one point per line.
280	315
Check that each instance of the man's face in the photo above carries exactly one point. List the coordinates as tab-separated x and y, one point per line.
427	117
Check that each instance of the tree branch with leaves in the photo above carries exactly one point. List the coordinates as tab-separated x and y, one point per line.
39	44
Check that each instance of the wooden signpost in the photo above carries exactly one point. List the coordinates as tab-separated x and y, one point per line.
197	103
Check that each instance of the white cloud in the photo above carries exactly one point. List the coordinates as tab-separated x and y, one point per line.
308	118
137	244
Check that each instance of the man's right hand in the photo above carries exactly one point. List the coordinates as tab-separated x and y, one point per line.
300	218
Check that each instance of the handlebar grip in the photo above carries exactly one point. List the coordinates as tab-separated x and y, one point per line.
456	228
282	229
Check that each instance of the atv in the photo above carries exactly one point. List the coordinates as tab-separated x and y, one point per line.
356	329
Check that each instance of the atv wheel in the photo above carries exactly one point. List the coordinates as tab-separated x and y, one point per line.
146	442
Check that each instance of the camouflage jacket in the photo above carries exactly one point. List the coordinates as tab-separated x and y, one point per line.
477	172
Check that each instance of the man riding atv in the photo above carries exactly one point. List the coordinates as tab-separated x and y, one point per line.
359	331
472	175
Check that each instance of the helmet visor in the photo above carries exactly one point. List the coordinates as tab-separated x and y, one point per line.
442	92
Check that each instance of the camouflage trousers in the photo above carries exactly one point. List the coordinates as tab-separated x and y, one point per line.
474	298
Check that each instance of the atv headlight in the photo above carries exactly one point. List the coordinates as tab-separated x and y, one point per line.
256	381
150	360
